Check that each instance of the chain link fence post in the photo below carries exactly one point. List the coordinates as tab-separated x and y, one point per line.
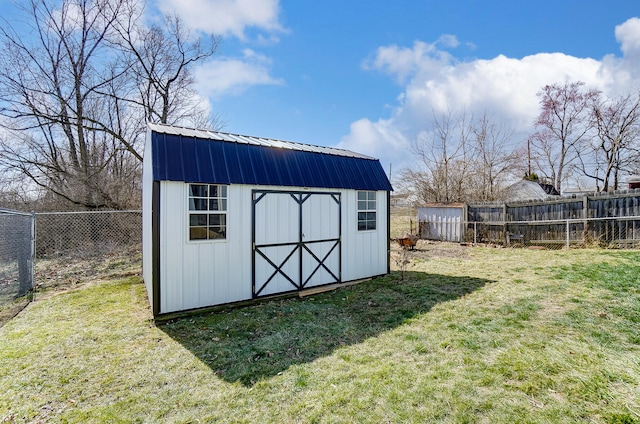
16	260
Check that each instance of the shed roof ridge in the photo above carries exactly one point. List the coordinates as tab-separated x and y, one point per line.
263	141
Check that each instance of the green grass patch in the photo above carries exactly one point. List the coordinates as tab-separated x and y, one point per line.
260	341
500	336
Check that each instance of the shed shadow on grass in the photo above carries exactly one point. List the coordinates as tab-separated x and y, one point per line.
259	341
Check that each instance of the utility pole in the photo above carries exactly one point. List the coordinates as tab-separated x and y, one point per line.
529	157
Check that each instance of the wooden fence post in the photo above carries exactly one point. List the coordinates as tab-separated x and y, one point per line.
585	217
504	220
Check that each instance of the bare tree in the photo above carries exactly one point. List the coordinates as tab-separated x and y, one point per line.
616	145
49	85
160	58
563	123
77	89
462	160
494	160
441	160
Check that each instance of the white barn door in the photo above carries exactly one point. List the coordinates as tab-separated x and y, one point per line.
296	240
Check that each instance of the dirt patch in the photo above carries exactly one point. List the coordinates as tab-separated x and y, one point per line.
436	249
74	269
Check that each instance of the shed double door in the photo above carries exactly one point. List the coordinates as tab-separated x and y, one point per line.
296	240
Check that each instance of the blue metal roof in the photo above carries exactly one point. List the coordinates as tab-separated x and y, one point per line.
196	156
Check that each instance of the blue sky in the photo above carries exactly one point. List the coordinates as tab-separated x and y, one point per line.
368	75
325	87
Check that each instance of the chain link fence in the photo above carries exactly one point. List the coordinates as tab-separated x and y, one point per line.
86	234
16	260
64	237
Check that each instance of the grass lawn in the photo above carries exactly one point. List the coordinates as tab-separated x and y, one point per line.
471	335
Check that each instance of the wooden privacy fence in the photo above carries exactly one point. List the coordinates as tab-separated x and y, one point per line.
601	219
618	232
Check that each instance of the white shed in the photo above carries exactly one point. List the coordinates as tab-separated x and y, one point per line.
228	218
441	221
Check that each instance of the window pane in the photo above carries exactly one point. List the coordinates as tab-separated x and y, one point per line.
223	191
197	190
371	216
371	195
362	225
362	216
216	233
362	205
362	195
197	204
371	205
213	191
197	219
198	233
217	219
371	225
218	205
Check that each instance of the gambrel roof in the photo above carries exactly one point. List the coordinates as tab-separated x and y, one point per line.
200	156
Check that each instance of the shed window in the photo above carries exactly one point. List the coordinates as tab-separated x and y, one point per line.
207	211
366	210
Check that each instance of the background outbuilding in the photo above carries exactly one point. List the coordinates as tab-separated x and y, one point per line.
441	221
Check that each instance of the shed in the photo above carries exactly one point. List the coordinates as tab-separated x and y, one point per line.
441	221
229	218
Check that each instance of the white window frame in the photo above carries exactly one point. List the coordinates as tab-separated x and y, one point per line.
367	210
207	212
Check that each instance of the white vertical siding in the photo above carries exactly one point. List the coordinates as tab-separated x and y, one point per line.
364	252
196	274
276	219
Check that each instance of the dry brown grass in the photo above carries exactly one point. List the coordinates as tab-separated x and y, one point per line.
73	270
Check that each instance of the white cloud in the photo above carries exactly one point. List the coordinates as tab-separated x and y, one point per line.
627	70
434	81
381	139
400	62
231	75
505	86
628	35
377	139
226	17
224	76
